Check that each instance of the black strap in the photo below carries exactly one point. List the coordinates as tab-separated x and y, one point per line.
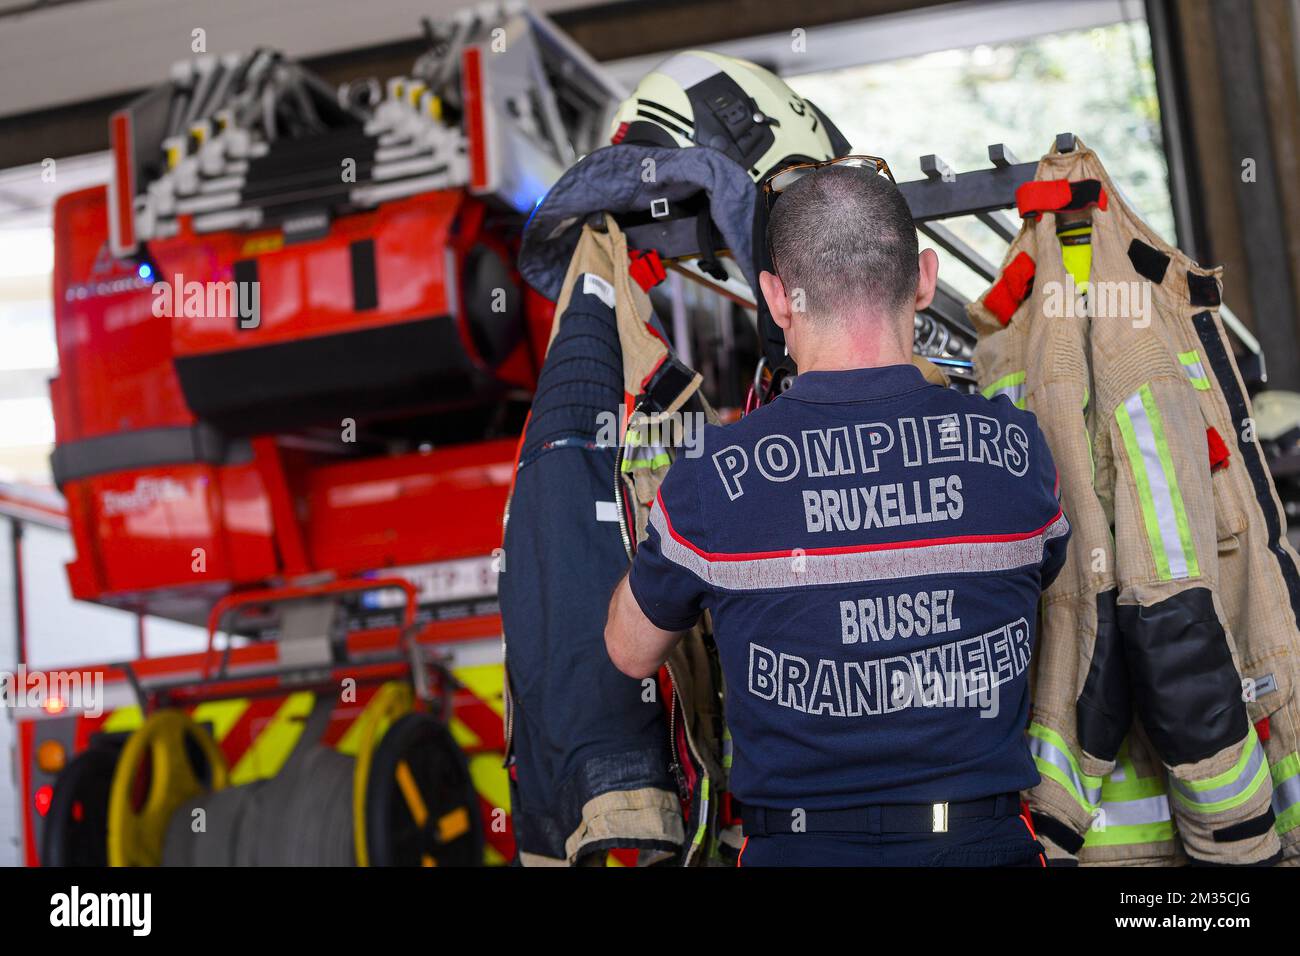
695	204
1203	290
1255	826
1223	366
666	383
365	282
889	818
708	262
1148	261
771	335
1056	831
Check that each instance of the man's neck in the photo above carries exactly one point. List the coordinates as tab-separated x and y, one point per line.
838	354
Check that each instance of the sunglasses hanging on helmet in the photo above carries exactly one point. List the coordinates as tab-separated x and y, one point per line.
783	179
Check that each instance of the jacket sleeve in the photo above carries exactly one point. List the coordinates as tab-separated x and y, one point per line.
669	576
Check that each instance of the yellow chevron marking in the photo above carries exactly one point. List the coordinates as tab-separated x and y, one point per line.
486	682
491	781
271	746
350	742
221	714
351	738
463	736
124	718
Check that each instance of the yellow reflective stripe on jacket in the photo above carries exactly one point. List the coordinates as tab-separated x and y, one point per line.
653	457
1129	822
1229	789
1133	809
1163	514
1286	793
1195	369
1053	758
1123	783
1012	386
703	827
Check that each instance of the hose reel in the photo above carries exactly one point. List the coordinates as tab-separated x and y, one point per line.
76	825
406	798
170	759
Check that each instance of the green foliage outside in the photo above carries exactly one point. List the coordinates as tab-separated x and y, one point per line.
1098	84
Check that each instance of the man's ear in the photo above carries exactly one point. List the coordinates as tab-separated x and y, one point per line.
928	267
774	293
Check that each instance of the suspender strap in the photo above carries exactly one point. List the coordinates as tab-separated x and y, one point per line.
1148	261
894	818
1202	290
1151	263
1051	195
1011	288
668	387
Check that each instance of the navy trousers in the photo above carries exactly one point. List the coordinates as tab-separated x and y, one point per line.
997	841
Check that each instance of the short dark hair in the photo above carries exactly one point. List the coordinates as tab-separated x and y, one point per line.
844	237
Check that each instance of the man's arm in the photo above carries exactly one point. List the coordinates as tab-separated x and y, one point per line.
1058	535
635	645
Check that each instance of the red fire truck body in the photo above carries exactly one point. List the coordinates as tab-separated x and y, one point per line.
269	415
170	537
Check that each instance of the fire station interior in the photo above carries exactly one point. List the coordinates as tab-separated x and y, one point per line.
269	356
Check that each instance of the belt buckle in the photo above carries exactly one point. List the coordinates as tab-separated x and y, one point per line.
939	818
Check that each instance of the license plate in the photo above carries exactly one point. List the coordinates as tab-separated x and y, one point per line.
439	583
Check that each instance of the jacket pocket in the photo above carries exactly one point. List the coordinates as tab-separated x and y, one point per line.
1229	516
1266	683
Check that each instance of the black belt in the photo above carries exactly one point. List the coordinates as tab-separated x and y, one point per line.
892	818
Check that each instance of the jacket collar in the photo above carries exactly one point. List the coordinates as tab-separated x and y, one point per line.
856	385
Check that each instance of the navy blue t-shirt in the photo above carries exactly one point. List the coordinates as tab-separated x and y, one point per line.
872	548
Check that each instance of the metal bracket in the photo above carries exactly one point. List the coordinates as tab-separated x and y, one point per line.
137	688
1000	155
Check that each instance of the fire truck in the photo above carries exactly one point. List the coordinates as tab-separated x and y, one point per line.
295	358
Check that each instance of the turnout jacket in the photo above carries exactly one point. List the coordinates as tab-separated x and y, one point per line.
871	548
601	761
1177	603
